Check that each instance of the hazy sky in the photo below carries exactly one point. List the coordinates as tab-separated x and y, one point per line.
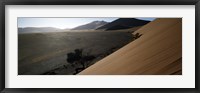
61	22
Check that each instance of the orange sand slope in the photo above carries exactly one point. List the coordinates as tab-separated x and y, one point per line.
157	52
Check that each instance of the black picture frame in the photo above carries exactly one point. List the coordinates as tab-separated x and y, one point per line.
98	2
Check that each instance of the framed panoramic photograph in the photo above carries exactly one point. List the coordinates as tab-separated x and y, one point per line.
58	46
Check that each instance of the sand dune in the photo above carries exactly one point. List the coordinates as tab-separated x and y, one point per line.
157	52
123	23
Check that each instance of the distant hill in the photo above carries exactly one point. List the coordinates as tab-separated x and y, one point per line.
123	23
37	29
90	26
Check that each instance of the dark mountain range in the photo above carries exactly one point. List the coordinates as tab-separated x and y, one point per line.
37	29
90	26
123	23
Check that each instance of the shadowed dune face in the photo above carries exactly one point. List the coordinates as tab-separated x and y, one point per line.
157	52
123	23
